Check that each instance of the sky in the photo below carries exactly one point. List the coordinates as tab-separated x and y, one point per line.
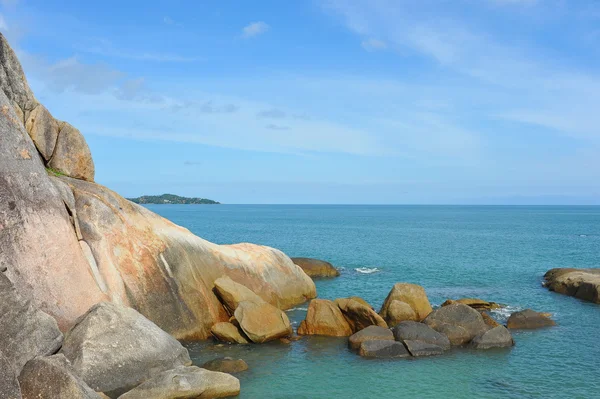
325	101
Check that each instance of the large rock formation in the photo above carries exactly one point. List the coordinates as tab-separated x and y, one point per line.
359	316
460	323
324	318
413	331
411	294
580	283
68	256
9	385
316	268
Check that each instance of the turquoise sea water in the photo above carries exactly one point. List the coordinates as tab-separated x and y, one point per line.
494	253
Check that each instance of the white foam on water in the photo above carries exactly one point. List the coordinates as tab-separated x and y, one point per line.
294	309
504	312
367	270
582	235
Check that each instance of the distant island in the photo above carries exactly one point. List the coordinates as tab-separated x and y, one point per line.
171	199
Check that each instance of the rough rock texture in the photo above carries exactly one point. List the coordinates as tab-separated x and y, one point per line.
413	331
114	348
580	283
383	349
262	322
497	337
358	315
43	129
529	319
231	293
25	332
489	320
186	382
72	155
316	268
371	333
420	348
412	294
53	377
227	332
324	318
398	311
475	303
12	80
361	301
9	385
460	323
226	365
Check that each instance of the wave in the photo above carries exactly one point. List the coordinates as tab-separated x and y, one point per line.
504	312
367	270
294	309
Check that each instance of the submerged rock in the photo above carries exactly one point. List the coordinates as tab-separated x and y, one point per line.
420	348
414	331
226	365
460	323
383	349
186	382
475	303
411	294
529	319
497	337
580	283
228	332
262	322
324	318
371	333
316	268
114	348
359	316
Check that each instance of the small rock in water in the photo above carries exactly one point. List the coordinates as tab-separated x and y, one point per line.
383	349
420	348
316	268
498	337
371	333
414	331
226	365
528	319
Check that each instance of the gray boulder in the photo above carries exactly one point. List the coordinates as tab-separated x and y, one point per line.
72	155
414	331
460	323
186	382
316	268
25	331
420	348
497	337
383	349
226	365
529	319
114	348
371	333
12	79
53	377
9	385
43	130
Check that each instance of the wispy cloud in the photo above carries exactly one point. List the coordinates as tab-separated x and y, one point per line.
106	49
3	24
373	45
273	126
254	29
272	113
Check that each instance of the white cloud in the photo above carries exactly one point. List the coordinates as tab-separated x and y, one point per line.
3	25
373	45
107	49
254	29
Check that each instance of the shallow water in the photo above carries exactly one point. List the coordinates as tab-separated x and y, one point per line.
495	253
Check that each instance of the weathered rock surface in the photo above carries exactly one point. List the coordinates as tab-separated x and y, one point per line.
25	332
9	385
262	322
361	301
226	365
475	303
186	382
460	323
371	333
114	348
398	311
43	130
414	331
497	337
420	348
383	349
231	293
529	319
53	377
580	283
324	317
489	320
412	294
358	315
316	268
227	332
72	155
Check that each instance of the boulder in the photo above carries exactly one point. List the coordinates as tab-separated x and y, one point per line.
226	365
489	320
53	377
231	293
227	332
114	348
9	385
186	382
420	348
580	283
383	349
25	331
371	333
497	337
361	301
475	303
358	315
324	318
413	331
460	323
262	322
398	311
529	319
412	294
43	130
13	82
72	155
316	268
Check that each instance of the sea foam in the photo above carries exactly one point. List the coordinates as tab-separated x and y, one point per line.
367	270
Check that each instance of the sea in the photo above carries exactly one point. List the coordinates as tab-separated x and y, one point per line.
496	253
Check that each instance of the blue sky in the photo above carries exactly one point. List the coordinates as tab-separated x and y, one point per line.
325	101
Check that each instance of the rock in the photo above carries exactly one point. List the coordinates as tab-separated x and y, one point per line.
227	332
25	332
186	382
231	293
528	319
414	331
460	323
12	79
316	268
226	365
358	315
398	311
53	377
324	318
262	322
72	155
371	333
489	320
580	283
383	349
114	348
361	301
43	130
9	385
420	348
412	294
475	303
497	337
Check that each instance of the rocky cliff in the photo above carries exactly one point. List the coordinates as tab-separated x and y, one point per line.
67	243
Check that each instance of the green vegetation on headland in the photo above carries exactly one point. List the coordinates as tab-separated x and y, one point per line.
54	172
171	199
